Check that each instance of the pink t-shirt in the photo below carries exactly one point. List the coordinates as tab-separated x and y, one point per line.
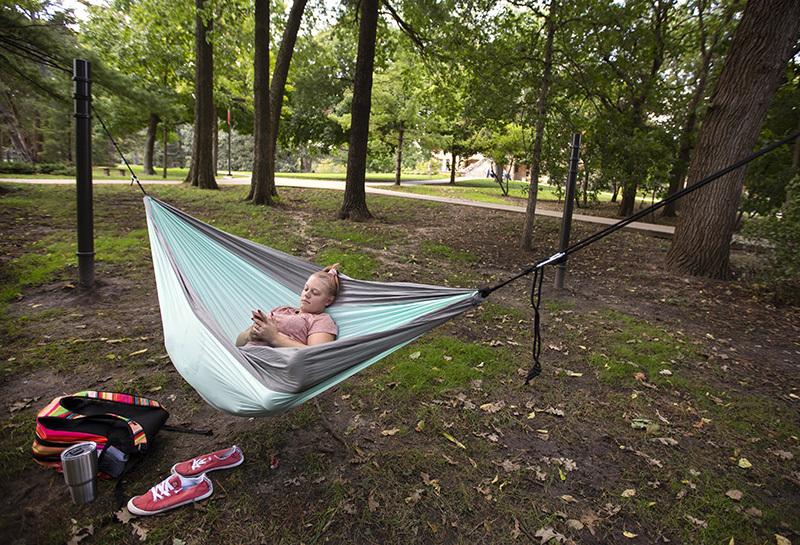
298	326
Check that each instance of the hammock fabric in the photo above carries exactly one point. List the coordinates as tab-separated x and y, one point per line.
209	281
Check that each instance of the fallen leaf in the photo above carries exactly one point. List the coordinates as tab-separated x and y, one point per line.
453	440
547	533
493	407
415	496
639	376
22	404
140	532
669	441
123	515
390	432
138	352
568	498
629	535
780	540
575	524
699	522
744	463
371	503
735	495
629	493
509	466
415	355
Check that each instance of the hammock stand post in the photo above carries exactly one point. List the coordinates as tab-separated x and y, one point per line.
83	164
569	200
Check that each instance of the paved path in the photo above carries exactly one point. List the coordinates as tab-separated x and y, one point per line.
665	231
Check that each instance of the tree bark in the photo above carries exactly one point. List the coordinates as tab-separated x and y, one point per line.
150	144
761	46
354	206
686	142
259	187
541	111
202	170
398	163
279	76
453	164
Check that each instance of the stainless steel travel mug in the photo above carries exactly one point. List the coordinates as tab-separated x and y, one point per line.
79	463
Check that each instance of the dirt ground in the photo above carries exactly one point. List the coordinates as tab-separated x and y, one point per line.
748	343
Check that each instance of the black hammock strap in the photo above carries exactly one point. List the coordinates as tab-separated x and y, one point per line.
536	288
134	178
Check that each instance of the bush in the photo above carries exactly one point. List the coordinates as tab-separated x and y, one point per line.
781	233
16	167
49	168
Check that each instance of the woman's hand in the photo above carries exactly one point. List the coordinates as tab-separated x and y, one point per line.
264	328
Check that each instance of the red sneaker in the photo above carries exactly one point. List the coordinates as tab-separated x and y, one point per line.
222	459
170	493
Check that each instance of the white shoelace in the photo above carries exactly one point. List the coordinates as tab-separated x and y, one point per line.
162	490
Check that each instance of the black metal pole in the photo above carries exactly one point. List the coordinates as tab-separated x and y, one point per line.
83	165
569	200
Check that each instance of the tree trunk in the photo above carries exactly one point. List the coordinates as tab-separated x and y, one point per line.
761	46
166	134
628	201
282	63
150	144
354	206
202	170
259	187
541	111
453	164
678	173
398	163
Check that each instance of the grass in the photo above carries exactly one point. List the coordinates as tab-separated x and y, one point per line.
469	454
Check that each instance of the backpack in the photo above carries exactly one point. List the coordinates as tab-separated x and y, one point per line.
122	426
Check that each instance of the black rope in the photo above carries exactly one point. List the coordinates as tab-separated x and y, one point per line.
134	178
536	298
536	289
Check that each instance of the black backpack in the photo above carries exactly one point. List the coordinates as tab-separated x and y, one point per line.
122	426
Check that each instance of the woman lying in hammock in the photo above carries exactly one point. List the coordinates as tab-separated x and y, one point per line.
300	327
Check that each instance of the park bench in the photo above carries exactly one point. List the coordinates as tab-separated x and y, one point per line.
107	170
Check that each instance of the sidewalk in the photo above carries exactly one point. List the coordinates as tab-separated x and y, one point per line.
664	231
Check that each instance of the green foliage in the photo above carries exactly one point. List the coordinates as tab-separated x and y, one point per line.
780	233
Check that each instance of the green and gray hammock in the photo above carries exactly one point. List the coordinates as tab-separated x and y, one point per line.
209	281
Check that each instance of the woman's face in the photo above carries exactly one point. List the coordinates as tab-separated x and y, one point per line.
315	297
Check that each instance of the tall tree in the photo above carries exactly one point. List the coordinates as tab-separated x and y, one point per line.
279	76
541	111
260	184
396	103
202	170
354	205
762	44
707	42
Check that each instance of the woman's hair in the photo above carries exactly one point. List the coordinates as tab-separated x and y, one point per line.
330	275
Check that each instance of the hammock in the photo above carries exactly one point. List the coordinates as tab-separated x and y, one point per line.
208	282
